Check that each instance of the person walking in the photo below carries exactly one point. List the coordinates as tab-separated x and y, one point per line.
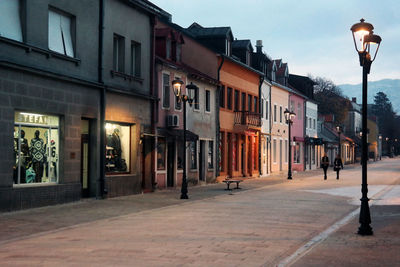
325	164
337	165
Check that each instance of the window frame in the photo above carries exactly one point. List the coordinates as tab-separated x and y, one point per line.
65	41
208	101
47	144
129	166
118	53
136	61
164	95
20	20
229	98
196	100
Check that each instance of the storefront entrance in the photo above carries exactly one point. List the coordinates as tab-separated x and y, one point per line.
85	158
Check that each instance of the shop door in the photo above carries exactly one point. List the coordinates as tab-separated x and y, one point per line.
202	176
85	182
147	177
170	164
243	155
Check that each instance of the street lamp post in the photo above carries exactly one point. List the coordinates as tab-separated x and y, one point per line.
339	131
289	116
367	45
191	88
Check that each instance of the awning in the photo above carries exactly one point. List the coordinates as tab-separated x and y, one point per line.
298	139
313	141
178	134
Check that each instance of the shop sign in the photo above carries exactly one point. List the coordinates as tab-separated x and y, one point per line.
31	118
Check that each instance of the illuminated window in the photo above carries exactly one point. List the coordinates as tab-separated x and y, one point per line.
36	148
117	147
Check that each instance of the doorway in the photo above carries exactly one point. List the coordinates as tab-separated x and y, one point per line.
146	160
85	158
170	164
202	175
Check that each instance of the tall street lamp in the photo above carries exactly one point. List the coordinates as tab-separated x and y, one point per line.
367	45
289	116
177	84
339	131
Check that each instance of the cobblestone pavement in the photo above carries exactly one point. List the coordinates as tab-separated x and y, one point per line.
271	221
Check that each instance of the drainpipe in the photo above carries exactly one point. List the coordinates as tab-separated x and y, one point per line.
101	182
259	138
217	116
153	101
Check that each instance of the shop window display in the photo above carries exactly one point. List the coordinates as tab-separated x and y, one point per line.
117	148
36	148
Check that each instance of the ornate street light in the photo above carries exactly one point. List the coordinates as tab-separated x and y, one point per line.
367	45
289	116
339	131
177	84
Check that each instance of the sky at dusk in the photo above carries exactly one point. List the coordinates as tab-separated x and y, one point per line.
312	36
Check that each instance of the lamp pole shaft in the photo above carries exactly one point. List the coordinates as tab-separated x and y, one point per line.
290	152
365	216
184	189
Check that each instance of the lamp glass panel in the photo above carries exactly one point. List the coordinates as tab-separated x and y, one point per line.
287	114
359	39
177	88
190	92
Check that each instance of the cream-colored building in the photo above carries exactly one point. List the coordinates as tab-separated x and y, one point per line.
279	129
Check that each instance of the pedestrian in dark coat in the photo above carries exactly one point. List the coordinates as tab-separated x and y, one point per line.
337	165
325	164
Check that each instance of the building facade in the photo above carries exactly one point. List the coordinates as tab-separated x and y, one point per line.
179	56
127	74
297	104
239	117
50	99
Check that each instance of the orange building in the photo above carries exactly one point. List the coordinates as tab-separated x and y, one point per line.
240	120
239	102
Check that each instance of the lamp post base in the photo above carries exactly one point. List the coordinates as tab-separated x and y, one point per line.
289	177
365	230
184	196
365	218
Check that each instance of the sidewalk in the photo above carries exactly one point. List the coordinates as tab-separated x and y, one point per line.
346	248
20	224
342	248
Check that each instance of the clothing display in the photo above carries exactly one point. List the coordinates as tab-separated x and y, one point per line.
38	154
114	152
21	159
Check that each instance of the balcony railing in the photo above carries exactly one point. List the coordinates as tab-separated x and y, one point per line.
248	118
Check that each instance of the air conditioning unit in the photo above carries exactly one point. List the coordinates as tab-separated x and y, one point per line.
172	121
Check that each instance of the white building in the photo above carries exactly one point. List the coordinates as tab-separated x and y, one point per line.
312	152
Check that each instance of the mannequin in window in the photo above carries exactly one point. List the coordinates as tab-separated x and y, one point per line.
114	141
21	158
37	151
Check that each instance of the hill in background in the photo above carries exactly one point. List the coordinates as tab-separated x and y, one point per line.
390	87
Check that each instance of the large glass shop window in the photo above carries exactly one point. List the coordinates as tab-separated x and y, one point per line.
36	148
117	148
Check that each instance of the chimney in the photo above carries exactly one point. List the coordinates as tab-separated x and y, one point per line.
354	99
259	46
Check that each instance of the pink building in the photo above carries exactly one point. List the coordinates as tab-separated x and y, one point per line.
297	105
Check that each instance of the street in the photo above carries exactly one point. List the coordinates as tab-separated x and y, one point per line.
270	222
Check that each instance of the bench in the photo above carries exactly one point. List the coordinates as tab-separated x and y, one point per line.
228	183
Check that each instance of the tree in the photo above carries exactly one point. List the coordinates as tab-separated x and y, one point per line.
330	99
382	108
